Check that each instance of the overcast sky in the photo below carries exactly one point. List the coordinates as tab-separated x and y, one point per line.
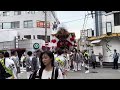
74	20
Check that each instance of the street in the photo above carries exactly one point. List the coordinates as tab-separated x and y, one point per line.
102	73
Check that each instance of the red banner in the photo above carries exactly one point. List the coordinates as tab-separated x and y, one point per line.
41	24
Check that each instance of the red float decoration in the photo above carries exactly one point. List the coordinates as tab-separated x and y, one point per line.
61	43
72	39
54	41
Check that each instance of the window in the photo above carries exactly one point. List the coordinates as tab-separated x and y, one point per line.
32	12
43	37
117	19
92	32
17	13
1	26
108	28
33	36
15	24
27	36
6	25
28	24
6	13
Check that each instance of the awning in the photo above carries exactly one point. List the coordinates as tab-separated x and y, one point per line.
95	41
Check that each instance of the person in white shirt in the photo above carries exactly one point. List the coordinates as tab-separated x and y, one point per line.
61	62
15	58
11	65
67	66
29	64
47	70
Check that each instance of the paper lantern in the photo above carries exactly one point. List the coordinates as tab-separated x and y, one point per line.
54	40
72	39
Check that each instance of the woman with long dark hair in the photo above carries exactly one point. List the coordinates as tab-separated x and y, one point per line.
47	70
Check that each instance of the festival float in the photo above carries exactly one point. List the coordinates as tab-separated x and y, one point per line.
63	40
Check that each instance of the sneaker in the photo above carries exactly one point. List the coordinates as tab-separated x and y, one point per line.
87	71
79	69
75	70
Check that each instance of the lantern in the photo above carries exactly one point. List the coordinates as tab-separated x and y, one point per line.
72	39
54	41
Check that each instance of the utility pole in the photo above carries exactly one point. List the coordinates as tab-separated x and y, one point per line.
45	26
45	29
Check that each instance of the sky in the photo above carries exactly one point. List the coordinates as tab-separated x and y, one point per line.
74	20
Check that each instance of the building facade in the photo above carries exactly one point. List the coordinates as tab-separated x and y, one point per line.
25	26
107	29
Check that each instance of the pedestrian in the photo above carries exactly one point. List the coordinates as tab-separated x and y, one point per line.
93	59
1	55
61	63
3	74
86	61
23	60
38	52
115	57
75	60
10	66
66	55
100	57
29	64
71	59
47	70
35	64
80	59
15	58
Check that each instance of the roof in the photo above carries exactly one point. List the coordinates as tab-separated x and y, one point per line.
104	36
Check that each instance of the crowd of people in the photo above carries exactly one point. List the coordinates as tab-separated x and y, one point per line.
47	64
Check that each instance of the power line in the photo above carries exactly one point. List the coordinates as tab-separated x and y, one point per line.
75	20
86	20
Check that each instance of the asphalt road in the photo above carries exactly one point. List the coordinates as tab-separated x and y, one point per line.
102	73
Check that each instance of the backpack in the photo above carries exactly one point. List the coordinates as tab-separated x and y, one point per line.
39	72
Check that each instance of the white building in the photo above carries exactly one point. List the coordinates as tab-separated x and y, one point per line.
27	26
107	34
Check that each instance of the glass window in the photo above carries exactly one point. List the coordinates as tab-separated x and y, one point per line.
6	25
33	36
15	24
108	27
17	13
43	37
6	13
28	24
0	25
32	12
27	36
117	19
